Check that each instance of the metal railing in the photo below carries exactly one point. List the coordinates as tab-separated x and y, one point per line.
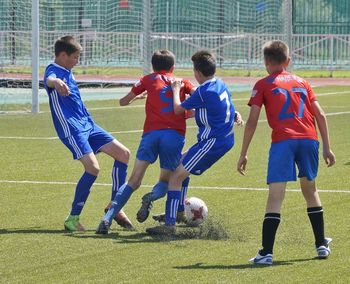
120	49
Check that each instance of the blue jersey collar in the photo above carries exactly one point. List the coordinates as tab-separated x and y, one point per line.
209	81
59	66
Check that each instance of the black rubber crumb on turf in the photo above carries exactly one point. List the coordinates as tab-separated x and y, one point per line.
211	229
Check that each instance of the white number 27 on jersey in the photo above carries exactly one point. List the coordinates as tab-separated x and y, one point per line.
225	96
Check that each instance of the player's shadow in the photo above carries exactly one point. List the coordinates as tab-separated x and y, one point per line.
136	237
32	230
203	266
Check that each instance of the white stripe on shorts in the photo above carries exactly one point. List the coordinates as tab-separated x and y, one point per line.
76	149
199	155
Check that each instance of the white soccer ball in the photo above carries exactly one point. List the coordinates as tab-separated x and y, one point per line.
196	211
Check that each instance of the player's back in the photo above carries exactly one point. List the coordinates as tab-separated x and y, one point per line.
288	104
215	114
159	103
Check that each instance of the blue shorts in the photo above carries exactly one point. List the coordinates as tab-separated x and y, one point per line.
285	155
86	142
165	143
202	155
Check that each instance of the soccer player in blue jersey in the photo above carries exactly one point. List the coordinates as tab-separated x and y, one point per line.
215	115
78	131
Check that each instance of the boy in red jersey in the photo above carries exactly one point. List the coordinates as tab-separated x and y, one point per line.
163	135
291	109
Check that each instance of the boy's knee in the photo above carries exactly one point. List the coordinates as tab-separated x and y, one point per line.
135	184
125	156
93	169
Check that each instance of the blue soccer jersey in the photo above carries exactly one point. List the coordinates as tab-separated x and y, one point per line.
214	110
69	114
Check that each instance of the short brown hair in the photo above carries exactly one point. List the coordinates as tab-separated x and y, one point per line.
276	51
205	62
67	44
162	60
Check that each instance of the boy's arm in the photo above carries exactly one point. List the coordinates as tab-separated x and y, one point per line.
176	85
130	97
321	120
247	138
57	84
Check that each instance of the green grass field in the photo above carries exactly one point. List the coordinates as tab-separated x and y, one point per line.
37	182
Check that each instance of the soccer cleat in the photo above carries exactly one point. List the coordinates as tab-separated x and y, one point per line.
145	208
72	224
262	259
162	230
103	228
180	218
324	251
121	219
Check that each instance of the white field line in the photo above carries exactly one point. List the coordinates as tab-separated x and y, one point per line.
130	131
234	100
150	186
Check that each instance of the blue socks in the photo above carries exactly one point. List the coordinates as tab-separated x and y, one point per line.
82	192
118	202
171	207
184	188
159	190
118	176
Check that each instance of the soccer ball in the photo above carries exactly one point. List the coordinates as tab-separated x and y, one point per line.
196	211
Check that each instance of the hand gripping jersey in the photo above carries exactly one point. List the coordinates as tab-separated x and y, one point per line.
159	103
69	114
214	109
288	105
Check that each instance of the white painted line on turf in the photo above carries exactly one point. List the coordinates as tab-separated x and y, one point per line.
120	107
151	186
131	131
28	138
333	93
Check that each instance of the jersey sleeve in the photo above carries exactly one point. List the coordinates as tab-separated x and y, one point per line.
257	96
49	73
139	87
310	92
194	101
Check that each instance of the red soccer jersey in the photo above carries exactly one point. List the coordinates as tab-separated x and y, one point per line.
159	103
288	104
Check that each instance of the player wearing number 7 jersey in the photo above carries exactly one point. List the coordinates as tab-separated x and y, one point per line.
215	115
291	109
163	135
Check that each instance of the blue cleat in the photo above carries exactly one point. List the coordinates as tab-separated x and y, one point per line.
103	228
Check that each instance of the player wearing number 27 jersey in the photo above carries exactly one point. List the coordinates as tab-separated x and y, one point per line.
286	98
292	112
288	103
